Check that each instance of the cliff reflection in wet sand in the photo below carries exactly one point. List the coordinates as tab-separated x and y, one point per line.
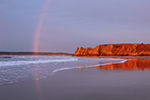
131	64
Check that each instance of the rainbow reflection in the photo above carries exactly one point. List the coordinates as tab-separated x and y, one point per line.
36	43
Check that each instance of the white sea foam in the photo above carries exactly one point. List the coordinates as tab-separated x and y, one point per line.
68	68
44	66
61	69
14	63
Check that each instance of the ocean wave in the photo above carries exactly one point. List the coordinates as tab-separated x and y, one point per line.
90	66
24	68
14	63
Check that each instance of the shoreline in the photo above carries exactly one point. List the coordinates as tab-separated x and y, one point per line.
38	55
132	63
108	82
83	84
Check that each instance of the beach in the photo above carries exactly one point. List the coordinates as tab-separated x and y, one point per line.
109	82
74	50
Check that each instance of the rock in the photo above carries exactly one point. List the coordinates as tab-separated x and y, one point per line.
115	50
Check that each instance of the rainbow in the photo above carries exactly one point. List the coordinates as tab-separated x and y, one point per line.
36	43
39	26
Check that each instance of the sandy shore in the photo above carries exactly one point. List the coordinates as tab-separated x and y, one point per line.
83	84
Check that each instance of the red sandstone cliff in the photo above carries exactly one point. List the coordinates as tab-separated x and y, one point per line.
115	50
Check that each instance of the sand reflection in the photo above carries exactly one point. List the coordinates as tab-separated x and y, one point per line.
132	64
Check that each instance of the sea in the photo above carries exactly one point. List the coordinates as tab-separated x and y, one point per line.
74	78
14	69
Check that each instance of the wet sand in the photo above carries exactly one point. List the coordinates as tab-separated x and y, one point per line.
100	83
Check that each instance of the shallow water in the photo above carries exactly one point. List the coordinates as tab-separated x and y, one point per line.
22	68
78	79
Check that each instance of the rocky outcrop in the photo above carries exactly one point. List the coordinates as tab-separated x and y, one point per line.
115	50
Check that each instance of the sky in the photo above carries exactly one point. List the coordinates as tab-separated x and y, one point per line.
63	25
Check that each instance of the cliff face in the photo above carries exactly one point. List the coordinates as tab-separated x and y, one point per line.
115	50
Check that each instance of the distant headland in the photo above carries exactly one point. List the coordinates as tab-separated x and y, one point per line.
115	50
3	53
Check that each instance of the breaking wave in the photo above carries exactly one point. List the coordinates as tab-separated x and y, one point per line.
22	68
14	63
